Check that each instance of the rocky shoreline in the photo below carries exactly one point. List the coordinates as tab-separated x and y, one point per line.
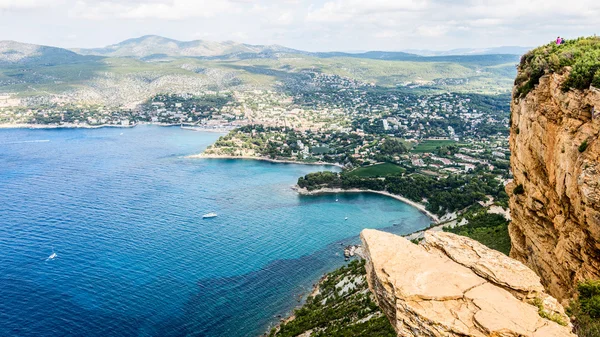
416	205
62	126
280	161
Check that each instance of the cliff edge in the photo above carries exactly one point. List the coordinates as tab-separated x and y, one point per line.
555	195
453	286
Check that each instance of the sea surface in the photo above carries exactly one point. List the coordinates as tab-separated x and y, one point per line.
122	209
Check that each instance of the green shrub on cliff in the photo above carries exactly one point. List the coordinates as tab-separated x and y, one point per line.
589	297
585	311
583	146
582	55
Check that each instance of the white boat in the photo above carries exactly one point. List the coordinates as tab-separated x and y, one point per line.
52	256
209	215
336	200
346	218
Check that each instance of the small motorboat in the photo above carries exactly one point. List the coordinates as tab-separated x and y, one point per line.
52	256
346	218
209	215
336	200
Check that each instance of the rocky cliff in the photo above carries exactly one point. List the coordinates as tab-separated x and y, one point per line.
453	286
555	196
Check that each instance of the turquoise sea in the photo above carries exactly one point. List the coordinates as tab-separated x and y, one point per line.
122	209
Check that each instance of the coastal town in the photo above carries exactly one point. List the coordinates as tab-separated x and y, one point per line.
375	134
310	101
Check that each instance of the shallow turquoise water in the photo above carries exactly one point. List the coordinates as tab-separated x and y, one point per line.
122	209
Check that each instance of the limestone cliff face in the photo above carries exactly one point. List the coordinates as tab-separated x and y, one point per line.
453	286
556	216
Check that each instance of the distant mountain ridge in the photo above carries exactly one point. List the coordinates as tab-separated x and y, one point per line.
12	52
149	45
136	69
154	48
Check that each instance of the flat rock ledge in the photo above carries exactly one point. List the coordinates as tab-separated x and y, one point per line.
450	285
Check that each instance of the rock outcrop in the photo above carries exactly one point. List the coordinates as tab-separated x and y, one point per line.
555	195
450	285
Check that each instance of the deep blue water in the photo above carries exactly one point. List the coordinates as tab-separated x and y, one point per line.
135	258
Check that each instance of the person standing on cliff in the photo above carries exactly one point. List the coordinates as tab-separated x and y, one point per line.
559	41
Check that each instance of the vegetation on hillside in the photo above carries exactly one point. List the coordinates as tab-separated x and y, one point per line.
343	307
392	146
583	146
489	229
447	194
582	55
585	311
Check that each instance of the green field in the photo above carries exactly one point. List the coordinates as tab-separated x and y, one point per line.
432	145
378	170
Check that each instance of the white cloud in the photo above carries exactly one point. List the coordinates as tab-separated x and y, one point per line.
487	22
166	10
26	4
285	19
303	24
432	31
344	10
240	36
386	34
531	8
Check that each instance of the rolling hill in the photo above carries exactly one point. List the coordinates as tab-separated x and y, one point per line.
17	53
135	69
149	45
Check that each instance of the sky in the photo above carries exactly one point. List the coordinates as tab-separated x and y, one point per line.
312	25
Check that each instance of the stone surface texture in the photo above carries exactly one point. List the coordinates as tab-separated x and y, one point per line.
450	285
555	228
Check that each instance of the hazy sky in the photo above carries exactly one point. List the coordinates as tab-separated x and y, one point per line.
314	25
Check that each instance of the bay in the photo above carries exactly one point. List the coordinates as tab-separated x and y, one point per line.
122	209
